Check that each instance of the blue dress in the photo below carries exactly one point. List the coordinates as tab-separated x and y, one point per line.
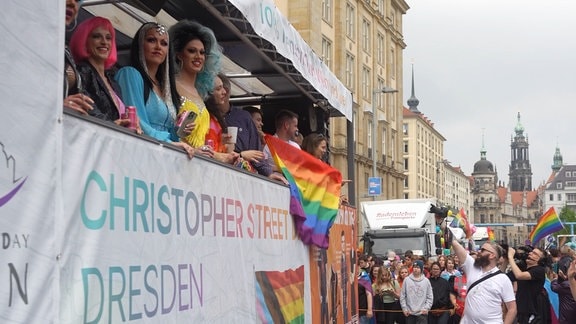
156	120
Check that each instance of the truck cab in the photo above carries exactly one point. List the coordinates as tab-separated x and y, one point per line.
400	225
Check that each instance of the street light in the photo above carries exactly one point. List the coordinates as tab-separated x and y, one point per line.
374	128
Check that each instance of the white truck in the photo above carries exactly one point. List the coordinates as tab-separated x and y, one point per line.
480	236
400	225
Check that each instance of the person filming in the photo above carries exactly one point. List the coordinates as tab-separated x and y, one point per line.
530	283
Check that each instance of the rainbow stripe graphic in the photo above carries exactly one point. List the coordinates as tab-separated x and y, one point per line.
547	224
314	190
280	296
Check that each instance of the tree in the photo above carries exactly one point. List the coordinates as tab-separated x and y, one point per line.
567	215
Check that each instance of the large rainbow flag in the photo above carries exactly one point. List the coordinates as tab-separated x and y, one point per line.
280	296
314	190
547	224
461	221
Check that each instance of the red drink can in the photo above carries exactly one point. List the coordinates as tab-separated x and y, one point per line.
182	118
210	143
131	114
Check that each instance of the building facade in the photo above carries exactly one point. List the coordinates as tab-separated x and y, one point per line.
506	210
423	154
457	189
362	43
560	191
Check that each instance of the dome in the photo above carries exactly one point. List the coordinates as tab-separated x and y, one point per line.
483	166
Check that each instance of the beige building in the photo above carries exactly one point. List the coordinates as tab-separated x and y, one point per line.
423	151
456	191
362	43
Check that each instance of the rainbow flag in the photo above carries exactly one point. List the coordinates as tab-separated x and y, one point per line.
314	191
280	296
365	281
461	221
491	236
547	224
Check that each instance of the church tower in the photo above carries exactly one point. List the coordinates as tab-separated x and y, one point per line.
520	175
484	190
558	161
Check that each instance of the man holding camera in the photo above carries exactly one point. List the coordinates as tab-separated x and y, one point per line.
530	284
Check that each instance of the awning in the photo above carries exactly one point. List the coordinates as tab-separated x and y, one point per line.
259	43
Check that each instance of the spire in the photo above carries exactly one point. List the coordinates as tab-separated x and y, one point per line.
558	161
483	150
413	102
519	129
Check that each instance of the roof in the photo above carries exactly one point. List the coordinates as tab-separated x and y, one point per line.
517	197
251	55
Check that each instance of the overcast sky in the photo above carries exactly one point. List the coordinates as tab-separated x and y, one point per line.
477	63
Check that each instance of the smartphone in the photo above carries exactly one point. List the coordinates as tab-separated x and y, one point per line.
555	267
184	119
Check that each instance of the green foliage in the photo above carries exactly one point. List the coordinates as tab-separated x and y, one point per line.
566	215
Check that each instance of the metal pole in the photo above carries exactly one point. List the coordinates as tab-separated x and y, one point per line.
351	153
374	129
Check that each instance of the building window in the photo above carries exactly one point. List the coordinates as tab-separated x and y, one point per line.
568	174
384	146
366	83
380	50
406	182
350	67
551	197
405	164
405	129
350	21
393	149
406	147
366	35
327	52
559	185
571	197
392	65
381	7
559	196
380	96
327	11
369	138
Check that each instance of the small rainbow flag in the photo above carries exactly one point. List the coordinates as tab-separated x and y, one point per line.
461	221
491	236
365	281
280	296
547	224
314	190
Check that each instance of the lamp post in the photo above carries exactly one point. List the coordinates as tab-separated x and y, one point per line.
374	129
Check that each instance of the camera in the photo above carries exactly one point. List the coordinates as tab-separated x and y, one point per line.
521	256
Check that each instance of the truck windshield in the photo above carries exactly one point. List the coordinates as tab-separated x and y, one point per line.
399	245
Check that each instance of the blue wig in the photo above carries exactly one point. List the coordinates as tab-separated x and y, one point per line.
186	30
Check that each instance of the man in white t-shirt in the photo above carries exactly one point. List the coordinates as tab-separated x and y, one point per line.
484	300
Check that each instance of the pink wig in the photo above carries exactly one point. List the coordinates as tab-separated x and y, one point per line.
80	39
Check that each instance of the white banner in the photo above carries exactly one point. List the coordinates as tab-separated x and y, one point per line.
31	68
269	23
151	236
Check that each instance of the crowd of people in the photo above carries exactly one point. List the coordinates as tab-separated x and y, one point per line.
173	72
495	284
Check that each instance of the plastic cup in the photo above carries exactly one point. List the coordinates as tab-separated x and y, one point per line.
233	132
